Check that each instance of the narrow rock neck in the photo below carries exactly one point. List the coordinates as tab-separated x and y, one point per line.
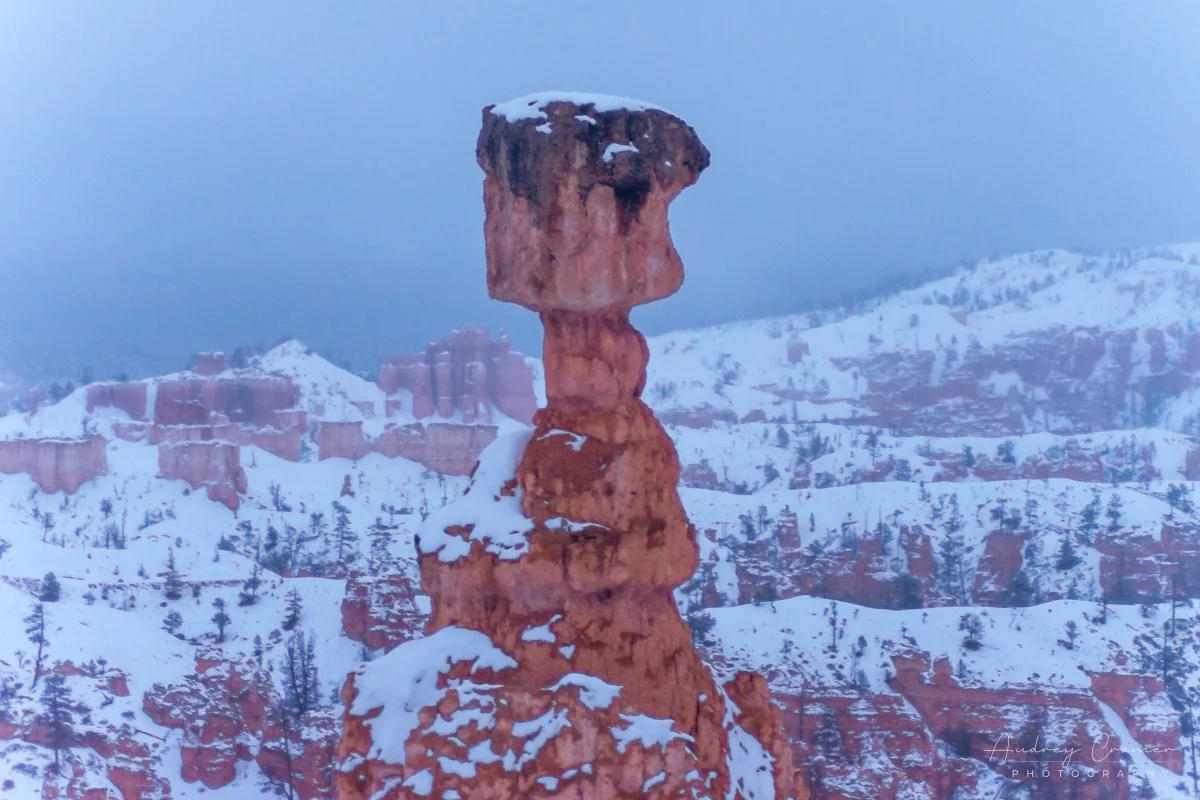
594	360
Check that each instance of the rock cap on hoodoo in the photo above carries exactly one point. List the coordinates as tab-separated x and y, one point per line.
576	191
531	105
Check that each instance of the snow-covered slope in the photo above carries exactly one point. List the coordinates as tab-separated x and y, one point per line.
1014	443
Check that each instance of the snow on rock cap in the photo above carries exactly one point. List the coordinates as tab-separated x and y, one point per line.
532	106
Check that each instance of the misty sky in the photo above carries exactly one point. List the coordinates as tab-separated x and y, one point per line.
185	176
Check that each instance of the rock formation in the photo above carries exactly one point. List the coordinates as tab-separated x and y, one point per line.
215	466
442	447
467	374
56	464
259	401
381	610
210	363
127	397
557	664
229	712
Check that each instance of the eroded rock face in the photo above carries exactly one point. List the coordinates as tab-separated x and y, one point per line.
56	464
381	610
260	401
467	374
214	466
128	397
101	754
558	664
442	447
229	712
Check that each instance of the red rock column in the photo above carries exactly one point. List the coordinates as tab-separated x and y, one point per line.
581	593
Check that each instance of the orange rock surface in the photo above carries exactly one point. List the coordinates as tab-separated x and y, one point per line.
557	664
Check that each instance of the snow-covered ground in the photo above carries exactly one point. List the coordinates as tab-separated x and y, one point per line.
780	433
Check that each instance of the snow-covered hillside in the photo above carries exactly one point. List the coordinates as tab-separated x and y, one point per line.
1008	449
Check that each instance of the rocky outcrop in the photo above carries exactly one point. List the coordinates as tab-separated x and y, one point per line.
833	732
101	753
381	610
243	410
127	397
229	712
1138	701
442	447
210	364
869	573
337	439
214	466
557	663
56	465
972	720
1150	569
468	375
797	349
266	401
283	441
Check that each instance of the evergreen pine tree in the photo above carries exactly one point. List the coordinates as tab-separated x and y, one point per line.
51	590
748	529
781	438
1113	512
1177	498
220	618
884	532
1089	518
872	443
1066	554
172	583
35	630
249	594
972	626
381	542
952	549
300	685
271	540
343	533
836	632
172	622
1022	591
292	619
58	713
47	521
1072	631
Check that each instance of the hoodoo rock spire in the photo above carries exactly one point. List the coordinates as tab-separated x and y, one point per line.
557	664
